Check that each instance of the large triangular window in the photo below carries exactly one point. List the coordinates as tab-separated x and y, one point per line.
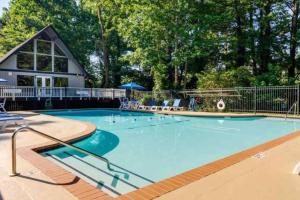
58	51
28	47
44	36
25	57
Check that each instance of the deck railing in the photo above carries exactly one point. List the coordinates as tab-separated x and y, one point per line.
59	92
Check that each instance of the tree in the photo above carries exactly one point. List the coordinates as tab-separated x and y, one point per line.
293	34
109	45
265	35
167	44
166	35
241	41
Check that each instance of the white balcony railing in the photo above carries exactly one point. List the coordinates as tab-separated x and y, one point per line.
59	92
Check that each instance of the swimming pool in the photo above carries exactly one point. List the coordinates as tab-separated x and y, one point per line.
145	148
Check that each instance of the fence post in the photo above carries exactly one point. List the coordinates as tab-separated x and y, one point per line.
298	87
66	92
255	99
60	93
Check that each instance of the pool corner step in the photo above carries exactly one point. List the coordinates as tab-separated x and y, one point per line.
117	182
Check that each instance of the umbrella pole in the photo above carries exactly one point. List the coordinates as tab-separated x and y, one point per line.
132	93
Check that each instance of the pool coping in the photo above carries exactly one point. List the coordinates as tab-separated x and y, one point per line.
84	190
72	183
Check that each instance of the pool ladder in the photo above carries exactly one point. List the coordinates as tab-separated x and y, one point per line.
13	146
295	105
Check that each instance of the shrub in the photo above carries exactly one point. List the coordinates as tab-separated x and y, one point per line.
144	99
240	77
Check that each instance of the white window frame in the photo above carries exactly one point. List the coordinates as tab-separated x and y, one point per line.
35	53
44	80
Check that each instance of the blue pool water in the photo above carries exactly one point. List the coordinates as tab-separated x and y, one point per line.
146	148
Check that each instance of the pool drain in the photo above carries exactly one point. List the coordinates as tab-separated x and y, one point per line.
260	155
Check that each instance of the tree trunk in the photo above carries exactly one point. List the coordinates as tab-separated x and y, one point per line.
241	50
105	50
293	40
252	42
117	67
176	75
265	38
185	74
170	70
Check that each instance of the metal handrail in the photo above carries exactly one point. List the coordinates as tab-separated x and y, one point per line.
13	146
291	108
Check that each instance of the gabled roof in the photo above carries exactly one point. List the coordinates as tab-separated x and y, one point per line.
54	36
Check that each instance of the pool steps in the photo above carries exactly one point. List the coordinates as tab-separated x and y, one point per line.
116	182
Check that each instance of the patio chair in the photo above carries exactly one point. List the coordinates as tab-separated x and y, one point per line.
192	104
164	105
133	104
174	107
124	103
2	104
7	119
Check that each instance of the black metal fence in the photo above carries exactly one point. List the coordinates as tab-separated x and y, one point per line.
268	99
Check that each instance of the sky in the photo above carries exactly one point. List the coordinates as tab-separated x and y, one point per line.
3	3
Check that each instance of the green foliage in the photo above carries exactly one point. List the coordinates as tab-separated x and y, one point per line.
165	35
274	76
226	78
168	44
145	99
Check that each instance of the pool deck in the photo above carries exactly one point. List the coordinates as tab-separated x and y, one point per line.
238	177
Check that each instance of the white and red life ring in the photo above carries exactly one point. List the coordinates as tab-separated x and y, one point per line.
221	105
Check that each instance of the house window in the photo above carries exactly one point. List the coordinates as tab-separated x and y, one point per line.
25	61
42	55
27	48
60	60
44	63
23	80
57	51
60	64
44	47
61	82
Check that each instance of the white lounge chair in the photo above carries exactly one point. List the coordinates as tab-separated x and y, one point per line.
2	104
6	119
133	104
162	107
175	106
124	103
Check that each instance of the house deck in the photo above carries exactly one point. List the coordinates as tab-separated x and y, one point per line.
38	98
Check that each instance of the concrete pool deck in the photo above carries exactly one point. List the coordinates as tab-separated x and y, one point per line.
33	184
252	178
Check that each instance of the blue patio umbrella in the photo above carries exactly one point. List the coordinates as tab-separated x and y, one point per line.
132	86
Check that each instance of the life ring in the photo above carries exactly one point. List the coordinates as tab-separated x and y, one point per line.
221	105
